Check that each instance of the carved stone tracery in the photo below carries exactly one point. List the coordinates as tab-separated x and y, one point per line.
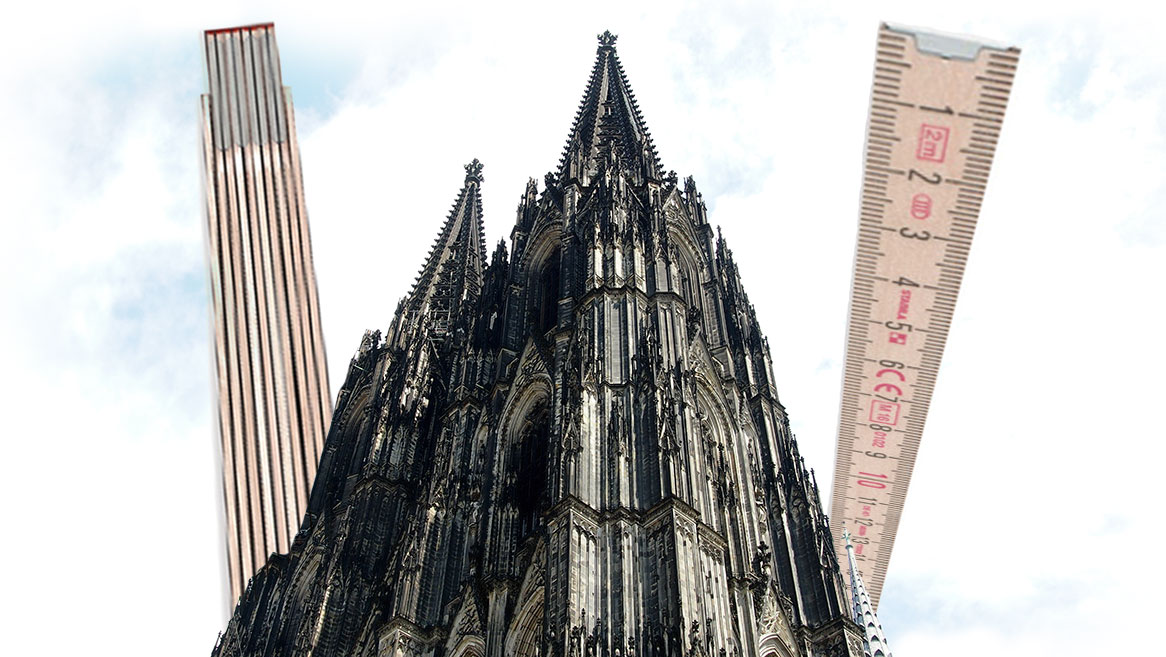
575	424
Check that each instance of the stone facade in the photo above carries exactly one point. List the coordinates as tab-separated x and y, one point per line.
574	448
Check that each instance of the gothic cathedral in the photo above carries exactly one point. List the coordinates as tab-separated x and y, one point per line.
572	449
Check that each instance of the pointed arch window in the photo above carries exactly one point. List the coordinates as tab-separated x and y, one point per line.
686	286
529	465
546	310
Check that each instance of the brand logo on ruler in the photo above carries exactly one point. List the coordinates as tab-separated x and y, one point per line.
937	103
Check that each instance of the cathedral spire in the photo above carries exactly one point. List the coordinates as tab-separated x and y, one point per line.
532	434
608	125
452	274
874	641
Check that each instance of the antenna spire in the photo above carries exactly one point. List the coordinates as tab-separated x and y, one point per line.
874	641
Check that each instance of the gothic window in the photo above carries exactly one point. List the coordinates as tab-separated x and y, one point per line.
529	465
546	294
360	440
686	286
810	585
469	647
526	632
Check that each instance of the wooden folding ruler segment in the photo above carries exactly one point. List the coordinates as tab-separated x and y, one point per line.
937	104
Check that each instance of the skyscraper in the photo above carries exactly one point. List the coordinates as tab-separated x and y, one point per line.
572	448
269	350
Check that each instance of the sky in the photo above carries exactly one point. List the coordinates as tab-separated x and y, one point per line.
1032	526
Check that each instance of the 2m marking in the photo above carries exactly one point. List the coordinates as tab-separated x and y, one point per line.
932	143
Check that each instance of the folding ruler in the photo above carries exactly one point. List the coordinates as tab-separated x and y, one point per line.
937	104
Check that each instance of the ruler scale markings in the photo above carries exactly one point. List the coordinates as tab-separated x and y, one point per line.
936	107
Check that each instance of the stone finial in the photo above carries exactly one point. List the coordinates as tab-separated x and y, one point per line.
607	39
474	172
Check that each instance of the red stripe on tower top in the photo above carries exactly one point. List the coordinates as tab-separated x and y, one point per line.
242	28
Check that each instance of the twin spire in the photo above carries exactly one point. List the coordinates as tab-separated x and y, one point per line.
608	130
452	274
608	125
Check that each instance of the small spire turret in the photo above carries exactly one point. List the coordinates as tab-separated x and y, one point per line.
500	253
874	641
452	274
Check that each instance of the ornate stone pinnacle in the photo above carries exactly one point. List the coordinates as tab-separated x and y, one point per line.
406	412
474	172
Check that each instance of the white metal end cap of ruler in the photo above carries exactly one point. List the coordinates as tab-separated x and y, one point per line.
936	107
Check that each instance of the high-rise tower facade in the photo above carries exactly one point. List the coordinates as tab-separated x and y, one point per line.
269	351
573	447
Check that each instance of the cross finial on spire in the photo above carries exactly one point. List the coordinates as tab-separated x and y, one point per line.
607	40
474	172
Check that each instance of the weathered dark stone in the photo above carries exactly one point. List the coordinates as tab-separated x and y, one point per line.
577	450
